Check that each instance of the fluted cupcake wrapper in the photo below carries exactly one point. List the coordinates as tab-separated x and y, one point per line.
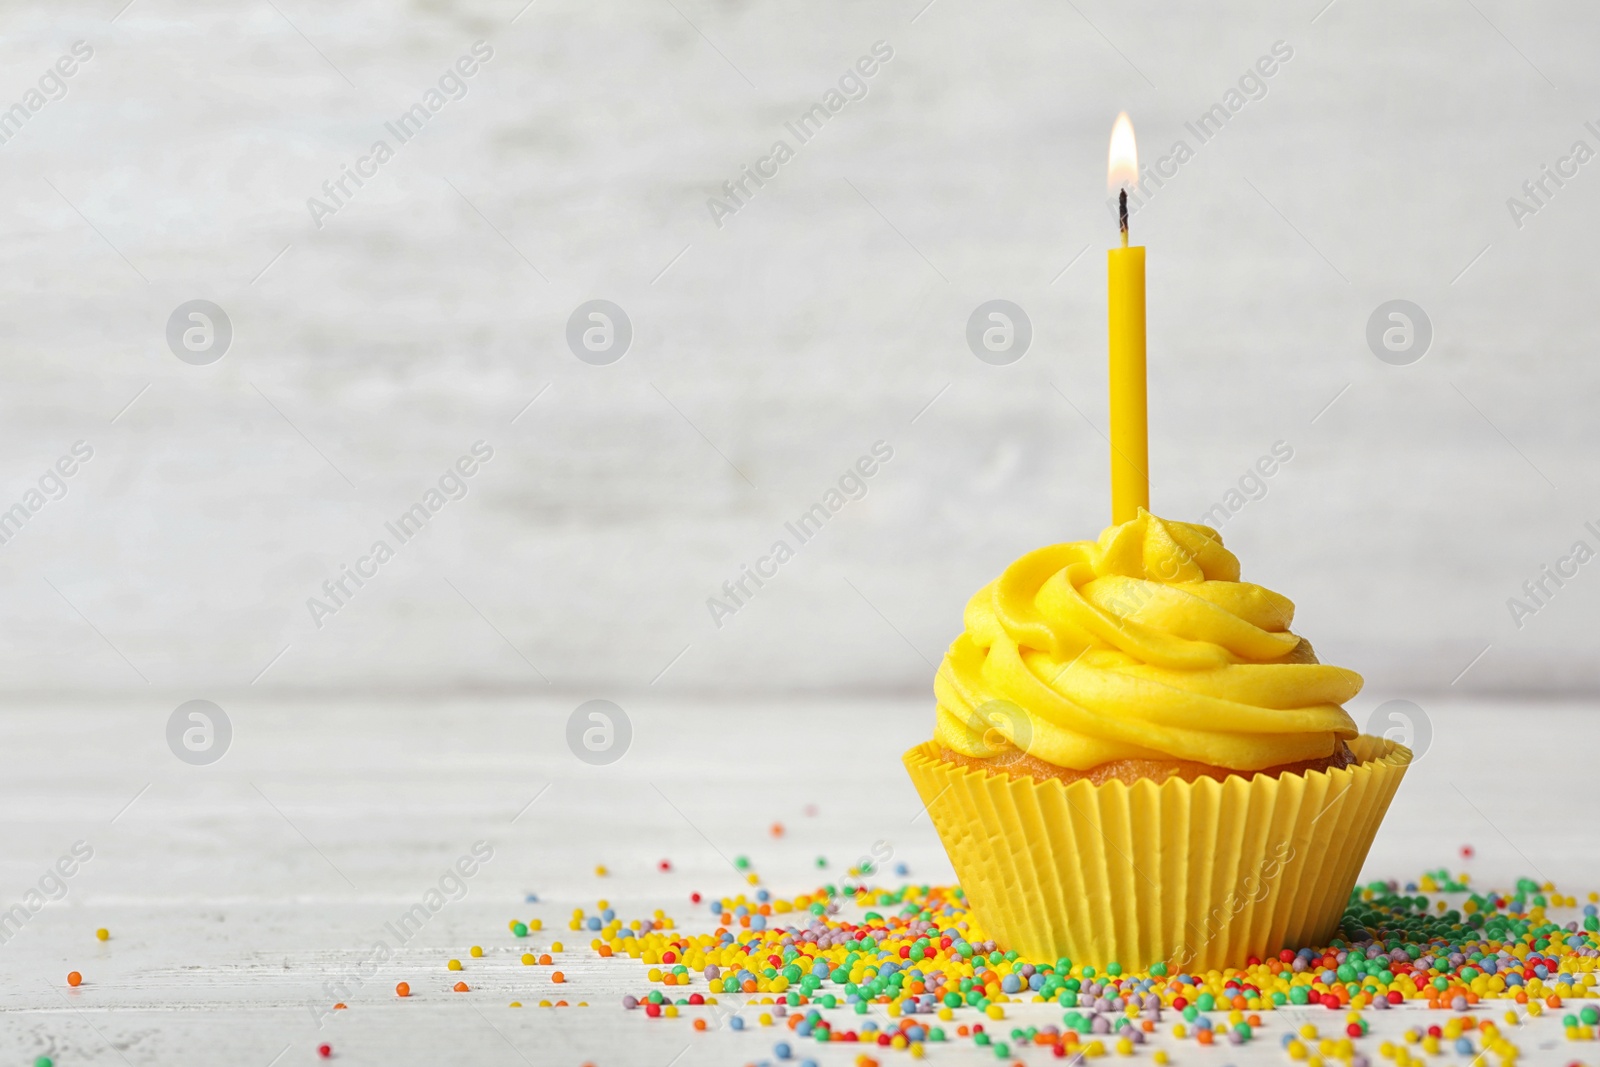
1192	874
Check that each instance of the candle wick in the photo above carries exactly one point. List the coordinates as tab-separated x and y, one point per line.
1122	215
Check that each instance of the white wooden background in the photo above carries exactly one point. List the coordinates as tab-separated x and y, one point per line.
769	354
225	887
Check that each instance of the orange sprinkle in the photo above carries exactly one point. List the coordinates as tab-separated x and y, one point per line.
460	987
75	979
557	977
545	960
605	950
700	1024
341	1006
403	989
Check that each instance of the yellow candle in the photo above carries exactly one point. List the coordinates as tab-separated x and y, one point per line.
1130	447
1130	460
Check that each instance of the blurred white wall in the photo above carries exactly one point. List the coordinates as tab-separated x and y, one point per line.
769	353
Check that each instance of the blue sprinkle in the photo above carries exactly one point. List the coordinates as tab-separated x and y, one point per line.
1463	1046
901	870
781	1050
763	896
758	922
1010	984
531	898
608	914
594	922
736	1023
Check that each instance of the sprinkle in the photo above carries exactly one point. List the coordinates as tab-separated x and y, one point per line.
476	952
402	989
74	979
324	1051
460	987
103	934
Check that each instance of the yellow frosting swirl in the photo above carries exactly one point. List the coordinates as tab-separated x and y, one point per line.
1142	645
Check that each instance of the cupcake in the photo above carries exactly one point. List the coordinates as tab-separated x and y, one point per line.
1136	761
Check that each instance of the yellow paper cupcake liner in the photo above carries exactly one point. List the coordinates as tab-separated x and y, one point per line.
1192	874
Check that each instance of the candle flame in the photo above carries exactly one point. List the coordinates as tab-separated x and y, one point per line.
1122	170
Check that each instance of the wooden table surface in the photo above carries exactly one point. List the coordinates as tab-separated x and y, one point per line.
237	893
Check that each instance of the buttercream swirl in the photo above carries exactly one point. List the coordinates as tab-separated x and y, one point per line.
1141	645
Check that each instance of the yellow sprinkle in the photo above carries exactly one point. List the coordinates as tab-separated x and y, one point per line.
103	934
536	924
454	965
527	959
555	946
601	871
516	1004
476	951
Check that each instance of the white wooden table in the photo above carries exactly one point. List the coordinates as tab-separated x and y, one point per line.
234	891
